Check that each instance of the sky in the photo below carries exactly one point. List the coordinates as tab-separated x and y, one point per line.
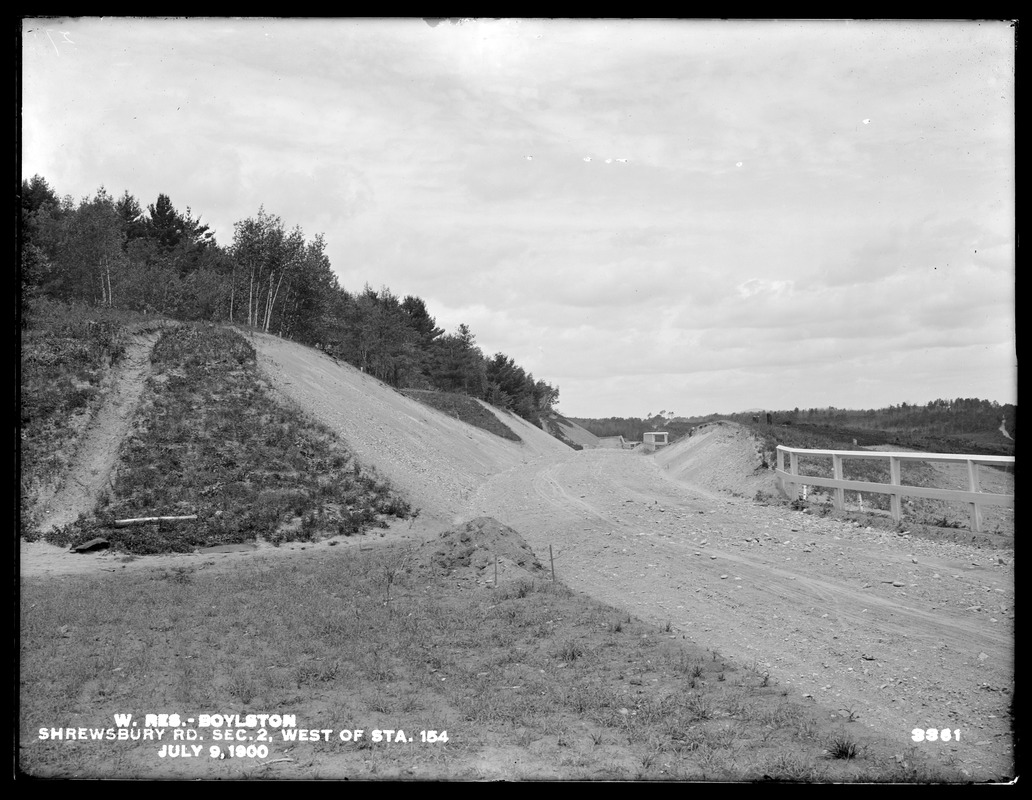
680	216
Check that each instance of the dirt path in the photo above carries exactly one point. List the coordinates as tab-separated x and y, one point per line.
95	458
902	633
98	452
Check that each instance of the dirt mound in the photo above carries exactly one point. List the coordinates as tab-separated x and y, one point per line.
722	456
474	545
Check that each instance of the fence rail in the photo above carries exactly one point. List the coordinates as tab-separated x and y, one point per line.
790	480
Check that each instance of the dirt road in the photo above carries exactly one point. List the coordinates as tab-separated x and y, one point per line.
901	633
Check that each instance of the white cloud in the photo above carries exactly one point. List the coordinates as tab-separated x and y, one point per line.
734	214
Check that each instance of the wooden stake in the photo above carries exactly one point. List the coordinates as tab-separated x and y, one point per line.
551	560
125	523
496	573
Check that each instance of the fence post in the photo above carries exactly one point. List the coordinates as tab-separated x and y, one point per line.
840	494
894	479
781	468
973	485
793	467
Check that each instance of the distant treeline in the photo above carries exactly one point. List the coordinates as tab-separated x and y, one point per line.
937	417
958	417
111	252
632	429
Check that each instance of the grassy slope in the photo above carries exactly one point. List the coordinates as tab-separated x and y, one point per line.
568	432
471	412
464	408
210	440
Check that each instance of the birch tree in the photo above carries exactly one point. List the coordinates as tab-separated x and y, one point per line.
90	251
257	243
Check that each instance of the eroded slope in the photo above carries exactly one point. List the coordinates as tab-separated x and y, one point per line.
435	460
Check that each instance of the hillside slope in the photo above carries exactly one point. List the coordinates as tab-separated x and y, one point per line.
723	456
435	460
571	431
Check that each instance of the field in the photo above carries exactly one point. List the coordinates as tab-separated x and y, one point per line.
526	680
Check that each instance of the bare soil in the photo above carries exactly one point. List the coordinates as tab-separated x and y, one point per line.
481	546
98	451
897	632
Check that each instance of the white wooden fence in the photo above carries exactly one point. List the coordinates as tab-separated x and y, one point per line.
790	480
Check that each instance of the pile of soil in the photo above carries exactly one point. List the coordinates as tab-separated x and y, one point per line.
721	456
473	546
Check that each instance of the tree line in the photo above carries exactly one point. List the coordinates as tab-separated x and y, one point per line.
938	417
941	416
113	252
634	429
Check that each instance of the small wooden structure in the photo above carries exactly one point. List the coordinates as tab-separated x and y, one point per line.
653	440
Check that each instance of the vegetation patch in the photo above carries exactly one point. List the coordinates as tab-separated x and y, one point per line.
553	423
465	408
210	441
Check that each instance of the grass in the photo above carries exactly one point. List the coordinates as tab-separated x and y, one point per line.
464	408
843	747
210	439
553	422
529	674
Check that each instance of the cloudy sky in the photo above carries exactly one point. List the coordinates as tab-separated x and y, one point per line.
650	215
